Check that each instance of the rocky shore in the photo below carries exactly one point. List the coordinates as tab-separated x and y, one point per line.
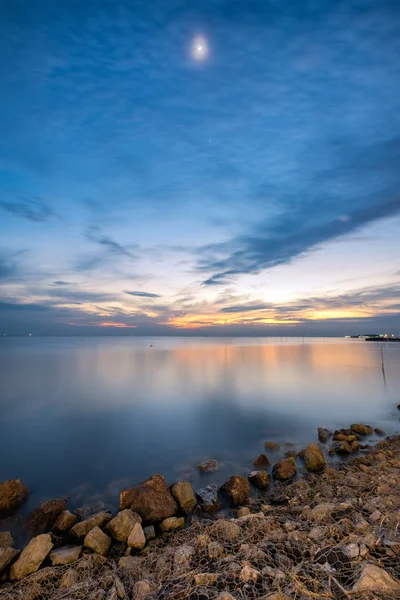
329	531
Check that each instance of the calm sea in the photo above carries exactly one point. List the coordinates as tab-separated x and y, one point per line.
82	417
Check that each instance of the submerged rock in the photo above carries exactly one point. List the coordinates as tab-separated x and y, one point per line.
121	526
271	445
341	448
361	429
31	557
324	434
209	466
260	479
314	459
152	499
341	437
284	469
262	461
42	519
379	431
209	498
13	493
183	493
237	490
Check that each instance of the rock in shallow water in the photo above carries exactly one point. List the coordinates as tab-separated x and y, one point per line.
361	429
314	459
284	469
209	466
209	498
152	499
271	445
42	519
324	434
13	493
32	556
237	490
262	461
260	479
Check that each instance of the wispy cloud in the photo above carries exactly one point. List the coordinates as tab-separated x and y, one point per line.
59	282
142	294
94	235
33	209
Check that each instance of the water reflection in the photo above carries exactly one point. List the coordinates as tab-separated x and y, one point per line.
87	411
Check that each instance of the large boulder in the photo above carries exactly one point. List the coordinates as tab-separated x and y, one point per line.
375	579
31	557
7	555
237	490
42	519
314	459
80	530
209	498
324	434
65	521
184	495
284	469
260	479
152	499
121	526
224	531
361	429
13	493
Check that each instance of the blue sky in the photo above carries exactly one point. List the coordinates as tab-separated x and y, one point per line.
148	189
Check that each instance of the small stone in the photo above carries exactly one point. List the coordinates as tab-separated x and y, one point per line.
13	493
69	579
352	551
242	512
375	516
237	490
97	541
80	530
379	431
184	495
225	596
206	578
142	589
7	555
119	586
314	459
6	539
210	466
121	526
209	498
271	446
149	532
290	454
262	461
131	564
113	594
284	469
65	555
65	521
375	579
317	534
225	531
321	511
202	541
172	524
137	539
260	479
182	559
361	429
324	434
215	550
249	574
31	557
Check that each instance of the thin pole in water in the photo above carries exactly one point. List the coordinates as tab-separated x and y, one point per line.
383	368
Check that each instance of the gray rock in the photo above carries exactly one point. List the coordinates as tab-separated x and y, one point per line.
65	521
121	526
7	555
65	555
183	493
13	493
31	557
97	541
136	539
352	551
80	530
149	532
209	498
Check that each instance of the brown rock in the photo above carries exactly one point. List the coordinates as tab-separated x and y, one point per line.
361	429
132	564
121	526
172	523
284	469
80	530
183	493
152	499
375	579
65	555
224	531
6	539
260	479
271	446
65	521
341	437
13	493
7	555
97	541
137	539
379	431
262	461
31	557
314	459
248	574
42	519
209	466
237	490
206	578
324	434
341	448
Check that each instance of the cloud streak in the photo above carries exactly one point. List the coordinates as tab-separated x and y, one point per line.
35	209
142	294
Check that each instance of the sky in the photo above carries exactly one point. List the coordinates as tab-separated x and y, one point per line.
227	167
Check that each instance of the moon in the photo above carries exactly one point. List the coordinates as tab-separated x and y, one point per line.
199	49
